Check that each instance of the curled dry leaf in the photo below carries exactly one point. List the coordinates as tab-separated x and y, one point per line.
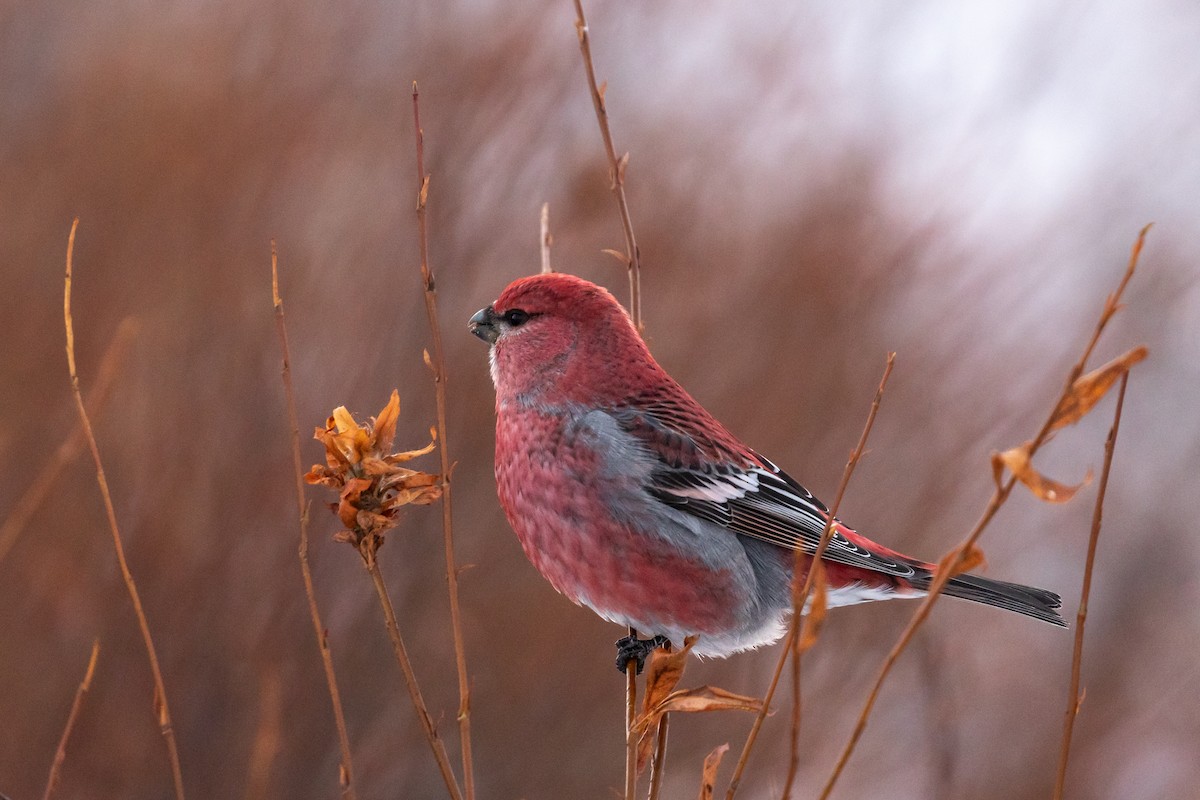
704	698
662	676
1087	390
1017	461
371	487
972	559
712	763
814	617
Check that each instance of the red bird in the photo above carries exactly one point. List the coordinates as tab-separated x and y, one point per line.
633	500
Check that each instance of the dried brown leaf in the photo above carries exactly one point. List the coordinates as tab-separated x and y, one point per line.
1090	388
701	699
815	616
972	559
662	676
708	778
385	424
1017	461
618	255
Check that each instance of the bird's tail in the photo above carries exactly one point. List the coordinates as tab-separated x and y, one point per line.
1032	602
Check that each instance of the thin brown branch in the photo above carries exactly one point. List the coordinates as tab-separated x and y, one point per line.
631	737
438	366
799	599
999	496
60	755
659	764
69	450
367	549
1074	699
547	239
346	772
616	168
160	692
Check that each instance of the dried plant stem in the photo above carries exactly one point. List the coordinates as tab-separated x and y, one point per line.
616	167
68	451
1003	488
659	764
1074	699
160	692
60	755
631	738
799	600
547	239
367	549
346	773
438	366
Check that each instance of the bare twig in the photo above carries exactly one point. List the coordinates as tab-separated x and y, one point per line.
631	736
68	451
346	773
800	598
1003	488
1074	699
547	239
367	549
438	366
616	168
60	755
160	692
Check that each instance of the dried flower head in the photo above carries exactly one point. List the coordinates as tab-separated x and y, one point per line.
372	486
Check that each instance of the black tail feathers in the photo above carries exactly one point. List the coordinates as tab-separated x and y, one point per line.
1037	603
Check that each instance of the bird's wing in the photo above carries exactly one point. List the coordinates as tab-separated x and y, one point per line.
708	474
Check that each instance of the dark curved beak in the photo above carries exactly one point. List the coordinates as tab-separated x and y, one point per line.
483	325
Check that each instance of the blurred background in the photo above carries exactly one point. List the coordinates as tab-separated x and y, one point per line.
811	186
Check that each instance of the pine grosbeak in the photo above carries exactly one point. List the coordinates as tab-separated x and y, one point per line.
633	500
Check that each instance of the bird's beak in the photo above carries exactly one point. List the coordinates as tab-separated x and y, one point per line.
483	325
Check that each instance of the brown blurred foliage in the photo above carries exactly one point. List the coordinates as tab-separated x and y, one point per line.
811	188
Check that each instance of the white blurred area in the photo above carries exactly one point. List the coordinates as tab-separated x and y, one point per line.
812	185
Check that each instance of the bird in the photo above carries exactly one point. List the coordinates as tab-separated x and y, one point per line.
630	498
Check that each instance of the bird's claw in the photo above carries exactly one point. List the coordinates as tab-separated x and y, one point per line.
631	648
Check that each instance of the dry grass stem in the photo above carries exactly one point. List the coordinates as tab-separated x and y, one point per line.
346	771
616	168
547	239
368	548
954	560
814	577
631	737
1074	698
161	708
60	755
438	367
69	450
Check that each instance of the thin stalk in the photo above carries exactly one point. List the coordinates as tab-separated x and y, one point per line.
160	692
616	169
438	366
1074	699
346	772
799	600
367	549
60	755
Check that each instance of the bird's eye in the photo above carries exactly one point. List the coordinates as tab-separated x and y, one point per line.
516	317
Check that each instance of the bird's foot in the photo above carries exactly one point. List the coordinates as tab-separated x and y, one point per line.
631	648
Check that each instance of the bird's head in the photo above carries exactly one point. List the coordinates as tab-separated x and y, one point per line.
558	337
